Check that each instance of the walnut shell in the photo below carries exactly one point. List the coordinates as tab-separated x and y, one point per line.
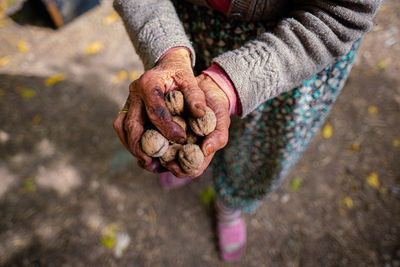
171	153
181	121
191	137
174	102
204	125
191	158
153	143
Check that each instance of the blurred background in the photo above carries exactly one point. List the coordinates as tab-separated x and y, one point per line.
70	195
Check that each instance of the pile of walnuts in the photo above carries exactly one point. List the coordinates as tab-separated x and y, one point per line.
189	154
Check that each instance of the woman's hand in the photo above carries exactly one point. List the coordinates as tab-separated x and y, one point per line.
146	95
217	100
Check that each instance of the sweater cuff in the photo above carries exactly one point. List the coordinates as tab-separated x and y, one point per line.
218	75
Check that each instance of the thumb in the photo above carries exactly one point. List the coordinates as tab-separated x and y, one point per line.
194	96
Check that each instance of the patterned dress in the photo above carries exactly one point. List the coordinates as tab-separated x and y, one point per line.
267	143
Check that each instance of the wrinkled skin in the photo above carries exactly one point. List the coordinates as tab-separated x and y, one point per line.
146	97
218	102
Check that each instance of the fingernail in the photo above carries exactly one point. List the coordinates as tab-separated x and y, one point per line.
209	149
181	140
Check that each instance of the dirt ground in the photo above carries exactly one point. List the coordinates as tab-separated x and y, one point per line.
70	195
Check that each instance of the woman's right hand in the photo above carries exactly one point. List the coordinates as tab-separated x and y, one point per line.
146	97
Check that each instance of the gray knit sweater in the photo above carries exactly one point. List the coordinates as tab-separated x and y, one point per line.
308	38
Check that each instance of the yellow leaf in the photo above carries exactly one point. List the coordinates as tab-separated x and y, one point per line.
354	147
383	8
295	185
93	48
29	186
133	75
111	18
348	202
396	142
381	64
2	92
36	119
122	75
3	8
327	131
23	46
373	109
207	196
373	180
4	61
54	79
26	93
109	236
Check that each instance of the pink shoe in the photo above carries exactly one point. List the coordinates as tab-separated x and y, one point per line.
231	231
170	181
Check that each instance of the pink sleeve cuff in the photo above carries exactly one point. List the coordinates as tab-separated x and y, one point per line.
220	5
218	75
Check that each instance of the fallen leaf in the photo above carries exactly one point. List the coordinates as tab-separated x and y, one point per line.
133	75
109	236
93	48
295	185
122	75
381	64
2	92
23	46
372	109
396	142
3	9
304	168
26	93
29	186
327	131
383	8
4	61
36	119
348	202
373	180
111	18
53	79
354	147
207	196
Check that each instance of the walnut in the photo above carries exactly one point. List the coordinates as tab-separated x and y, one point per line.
174	102
204	125
171	153
181	121
154	144
191	137
191	158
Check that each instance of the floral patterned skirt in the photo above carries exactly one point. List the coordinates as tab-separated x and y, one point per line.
267	143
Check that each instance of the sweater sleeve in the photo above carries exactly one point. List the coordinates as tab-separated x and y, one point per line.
153	27
311	38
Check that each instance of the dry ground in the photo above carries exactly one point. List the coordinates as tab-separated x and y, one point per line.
70	194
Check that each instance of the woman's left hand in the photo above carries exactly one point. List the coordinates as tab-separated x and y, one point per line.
217	100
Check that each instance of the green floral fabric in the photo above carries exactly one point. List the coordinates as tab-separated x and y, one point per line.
267	143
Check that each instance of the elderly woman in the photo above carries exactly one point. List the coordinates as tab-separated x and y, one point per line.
274	67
